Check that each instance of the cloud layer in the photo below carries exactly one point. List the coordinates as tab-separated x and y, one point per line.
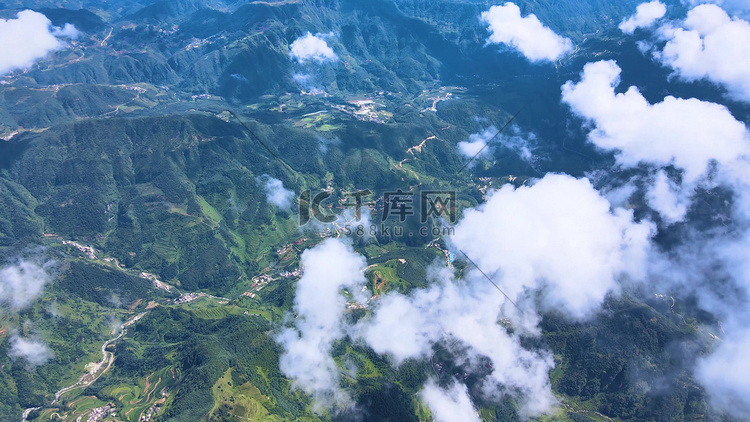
526	34
740	8
687	134
646	14
556	245
29	38
725	374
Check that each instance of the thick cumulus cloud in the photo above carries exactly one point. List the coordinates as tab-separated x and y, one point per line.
21	283
739	8
557	236
526	34
33	350
312	47
646	14
328	268
276	193
709	44
688	134
29	38
449	405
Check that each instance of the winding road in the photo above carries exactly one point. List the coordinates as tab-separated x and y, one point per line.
90	377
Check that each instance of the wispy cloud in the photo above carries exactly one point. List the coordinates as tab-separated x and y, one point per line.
477	146
463	314
33	350
276	193
22	283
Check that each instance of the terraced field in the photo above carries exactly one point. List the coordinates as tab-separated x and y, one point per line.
78	408
152	390
211	313
487	414
384	277
239	402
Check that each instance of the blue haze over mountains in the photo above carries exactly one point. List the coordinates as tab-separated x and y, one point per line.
125	140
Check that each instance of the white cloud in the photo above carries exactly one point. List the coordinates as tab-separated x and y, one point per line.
312	47
558	237
21	284
725	373
739	8
302	78
686	133
519	144
526	34
29	38
328	268
449	406
710	45
276	193
401	325
646	14
618	196
33	350
67	31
